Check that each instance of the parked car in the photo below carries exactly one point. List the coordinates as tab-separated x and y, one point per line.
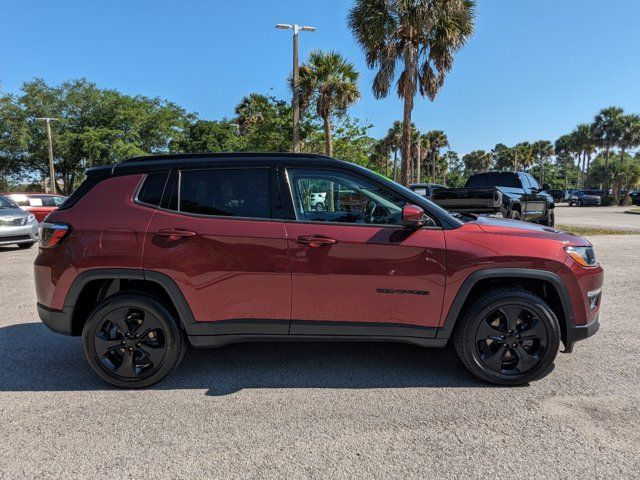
222	248
425	189
40	204
559	195
583	198
16	226
513	195
635	197
318	200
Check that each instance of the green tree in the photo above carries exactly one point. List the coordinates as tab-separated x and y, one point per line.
476	161
207	136
542	152
95	127
394	140
606	129
629	133
331	83
582	143
455	169
423	36
437	140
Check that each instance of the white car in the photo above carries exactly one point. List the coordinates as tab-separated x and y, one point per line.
318	201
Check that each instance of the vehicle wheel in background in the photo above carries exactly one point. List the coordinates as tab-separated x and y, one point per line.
550	219
508	337
579	203
24	246
132	340
514	215
320	207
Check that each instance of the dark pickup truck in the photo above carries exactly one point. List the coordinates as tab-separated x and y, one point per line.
514	195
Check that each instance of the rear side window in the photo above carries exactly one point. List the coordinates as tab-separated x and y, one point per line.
152	188
226	192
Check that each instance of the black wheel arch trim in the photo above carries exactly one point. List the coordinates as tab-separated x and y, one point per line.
463	293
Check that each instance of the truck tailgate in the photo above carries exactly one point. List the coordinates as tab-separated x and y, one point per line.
469	199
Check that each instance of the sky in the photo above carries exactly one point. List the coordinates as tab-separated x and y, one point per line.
533	70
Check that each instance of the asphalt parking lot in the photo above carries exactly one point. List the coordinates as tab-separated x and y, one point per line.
321	410
597	217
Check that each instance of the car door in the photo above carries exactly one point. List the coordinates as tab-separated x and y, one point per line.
219	238
536	202
355	269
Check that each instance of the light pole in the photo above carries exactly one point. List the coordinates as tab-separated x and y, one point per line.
52	174
295	103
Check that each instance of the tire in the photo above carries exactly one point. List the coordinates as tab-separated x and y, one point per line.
514	215
495	359
24	246
118	355
550	219
320	207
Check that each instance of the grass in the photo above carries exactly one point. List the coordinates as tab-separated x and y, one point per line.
586	231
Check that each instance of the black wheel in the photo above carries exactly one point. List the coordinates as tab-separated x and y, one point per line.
24	246
320	207
550	219
514	215
132	340
508	337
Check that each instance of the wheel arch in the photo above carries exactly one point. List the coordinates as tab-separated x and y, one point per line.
93	286
546	284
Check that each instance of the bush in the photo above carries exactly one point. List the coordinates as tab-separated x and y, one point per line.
608	200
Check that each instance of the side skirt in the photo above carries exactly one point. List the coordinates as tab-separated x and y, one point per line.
214	341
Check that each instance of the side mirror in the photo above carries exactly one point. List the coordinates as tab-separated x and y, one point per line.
413	216
546	186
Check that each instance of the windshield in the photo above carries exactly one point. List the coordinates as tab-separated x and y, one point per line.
6	203
494	179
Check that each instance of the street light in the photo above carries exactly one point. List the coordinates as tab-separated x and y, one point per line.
51	171
296	98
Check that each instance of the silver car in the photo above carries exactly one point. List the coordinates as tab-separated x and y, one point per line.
17	226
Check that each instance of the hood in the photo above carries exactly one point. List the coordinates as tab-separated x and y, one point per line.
517	228
12	216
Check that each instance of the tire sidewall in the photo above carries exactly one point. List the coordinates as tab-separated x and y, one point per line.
485	306
174	338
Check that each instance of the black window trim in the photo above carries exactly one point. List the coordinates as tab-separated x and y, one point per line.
291	201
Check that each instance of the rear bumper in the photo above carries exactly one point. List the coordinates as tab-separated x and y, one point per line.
57	320
580	332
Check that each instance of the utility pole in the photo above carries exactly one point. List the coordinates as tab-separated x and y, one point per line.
52	173
295	102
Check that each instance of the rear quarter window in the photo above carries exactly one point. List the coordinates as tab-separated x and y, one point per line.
152	188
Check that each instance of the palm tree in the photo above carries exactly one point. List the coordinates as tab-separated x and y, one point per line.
476	161
437	141
422	35
379	157
329	81
542	151
394	140
606	131
629	133
583	142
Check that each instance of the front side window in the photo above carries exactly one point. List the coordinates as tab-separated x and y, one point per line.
229	192
328	196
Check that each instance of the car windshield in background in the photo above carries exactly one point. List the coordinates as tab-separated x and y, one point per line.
500	179
6	203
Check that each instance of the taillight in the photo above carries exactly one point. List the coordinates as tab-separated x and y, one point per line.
51	234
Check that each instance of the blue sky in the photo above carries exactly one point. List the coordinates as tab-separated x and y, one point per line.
533	70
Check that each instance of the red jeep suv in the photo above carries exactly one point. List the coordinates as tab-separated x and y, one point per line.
155	253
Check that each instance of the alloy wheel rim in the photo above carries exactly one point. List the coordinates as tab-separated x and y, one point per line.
511	339
130	343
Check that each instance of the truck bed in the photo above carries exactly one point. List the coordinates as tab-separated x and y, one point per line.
476	200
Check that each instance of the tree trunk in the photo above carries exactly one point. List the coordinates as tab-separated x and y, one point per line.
395	164
406	136
328	142
588	165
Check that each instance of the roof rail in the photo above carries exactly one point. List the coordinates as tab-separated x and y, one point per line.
190	156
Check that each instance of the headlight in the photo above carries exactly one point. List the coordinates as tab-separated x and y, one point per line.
31	218
585	256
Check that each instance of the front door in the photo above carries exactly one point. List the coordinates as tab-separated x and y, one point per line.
218	240
356	270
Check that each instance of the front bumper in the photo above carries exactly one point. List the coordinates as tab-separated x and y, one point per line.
576	333
19	234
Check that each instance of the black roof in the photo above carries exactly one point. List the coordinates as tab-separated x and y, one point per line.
152	163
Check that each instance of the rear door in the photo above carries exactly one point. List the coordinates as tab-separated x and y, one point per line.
356	270
534	202
219	238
